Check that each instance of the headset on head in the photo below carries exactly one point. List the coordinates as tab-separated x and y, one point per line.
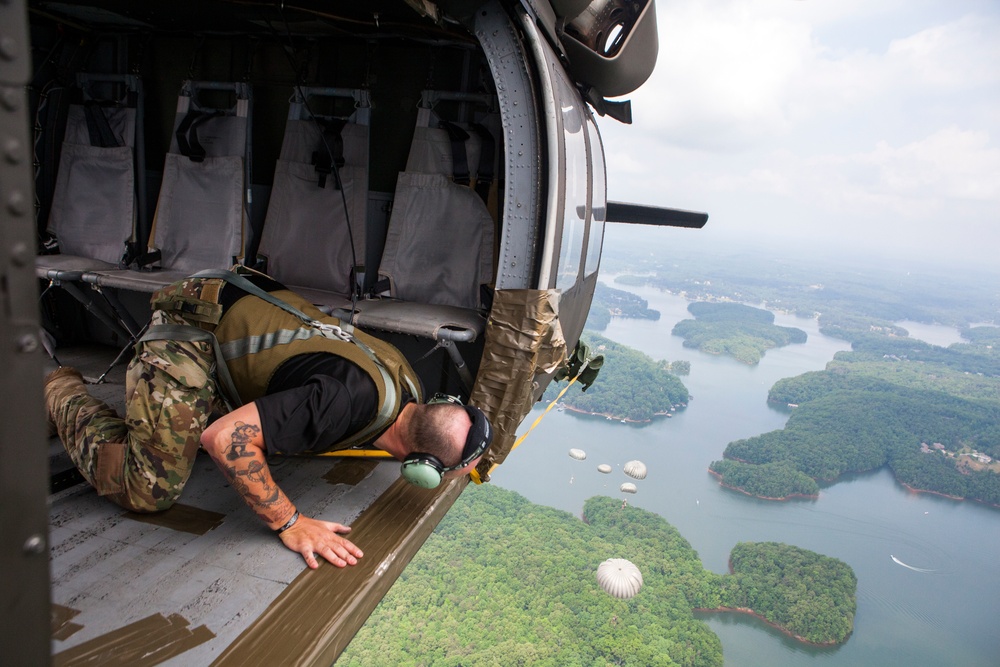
426	470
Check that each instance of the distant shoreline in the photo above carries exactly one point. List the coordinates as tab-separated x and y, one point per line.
580	411
605	414
791	496
776	626
911	489
780	628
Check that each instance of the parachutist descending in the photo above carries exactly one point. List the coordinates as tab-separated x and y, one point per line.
619	578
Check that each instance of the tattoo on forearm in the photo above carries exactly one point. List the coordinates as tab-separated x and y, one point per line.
251	479
243	434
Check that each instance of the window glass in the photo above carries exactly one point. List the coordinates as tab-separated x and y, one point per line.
599	199
575	210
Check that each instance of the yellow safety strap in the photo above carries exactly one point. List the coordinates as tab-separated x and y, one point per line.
474	474
358	453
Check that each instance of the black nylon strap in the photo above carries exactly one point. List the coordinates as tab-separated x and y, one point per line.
99	128
329	156
187	134
459	159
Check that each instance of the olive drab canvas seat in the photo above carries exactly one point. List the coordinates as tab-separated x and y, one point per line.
202	209
310	242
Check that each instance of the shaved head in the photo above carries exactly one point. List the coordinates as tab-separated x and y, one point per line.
439	430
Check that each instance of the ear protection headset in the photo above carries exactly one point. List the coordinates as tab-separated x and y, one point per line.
426	470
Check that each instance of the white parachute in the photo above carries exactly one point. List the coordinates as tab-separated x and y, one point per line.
628	487
578	454
636	469
619	578
604	467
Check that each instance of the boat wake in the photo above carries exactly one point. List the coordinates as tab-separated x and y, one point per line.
909	567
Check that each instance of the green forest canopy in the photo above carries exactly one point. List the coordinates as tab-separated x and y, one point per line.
630	385
925	411
740	331
503	581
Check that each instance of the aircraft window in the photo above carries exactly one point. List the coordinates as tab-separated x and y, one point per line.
598	201
575	202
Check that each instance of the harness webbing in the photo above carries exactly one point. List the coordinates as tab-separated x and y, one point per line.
342	332
194	334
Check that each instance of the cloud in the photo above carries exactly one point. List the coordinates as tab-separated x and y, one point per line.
874	119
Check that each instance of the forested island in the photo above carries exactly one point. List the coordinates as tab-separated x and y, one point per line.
610	302
770	580
931	414
630	386
740	331
503	581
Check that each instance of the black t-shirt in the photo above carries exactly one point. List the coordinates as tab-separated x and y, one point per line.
313	401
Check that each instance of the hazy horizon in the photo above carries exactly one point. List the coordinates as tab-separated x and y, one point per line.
850	127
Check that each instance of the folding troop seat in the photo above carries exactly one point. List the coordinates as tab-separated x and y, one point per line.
313	239
438	258
97	213
202	209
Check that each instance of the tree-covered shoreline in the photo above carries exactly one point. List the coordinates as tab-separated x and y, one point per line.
630	386
931	414
764	578
609	302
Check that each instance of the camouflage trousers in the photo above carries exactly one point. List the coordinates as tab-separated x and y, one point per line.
143	461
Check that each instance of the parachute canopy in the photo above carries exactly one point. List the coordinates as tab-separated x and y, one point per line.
636	469
578	454
628	487
619	578
604	467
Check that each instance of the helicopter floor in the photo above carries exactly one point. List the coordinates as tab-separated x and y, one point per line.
180	586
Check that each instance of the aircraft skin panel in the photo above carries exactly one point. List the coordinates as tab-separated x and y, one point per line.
24	633
522	158
550	128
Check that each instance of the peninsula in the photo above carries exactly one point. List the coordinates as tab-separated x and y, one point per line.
931	414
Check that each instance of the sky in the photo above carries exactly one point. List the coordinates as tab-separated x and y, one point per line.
871	126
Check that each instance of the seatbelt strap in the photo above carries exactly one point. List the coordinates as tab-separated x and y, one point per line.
459	158
190	333
187	134
329	156
98	127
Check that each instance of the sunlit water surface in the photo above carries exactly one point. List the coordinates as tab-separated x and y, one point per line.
945	616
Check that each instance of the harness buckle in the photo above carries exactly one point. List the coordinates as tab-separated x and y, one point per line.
330	330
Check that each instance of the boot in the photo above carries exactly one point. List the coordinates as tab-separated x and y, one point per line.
60	385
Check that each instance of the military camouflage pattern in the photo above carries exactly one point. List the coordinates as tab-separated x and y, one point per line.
143	461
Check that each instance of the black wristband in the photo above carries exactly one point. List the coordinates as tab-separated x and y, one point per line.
291	522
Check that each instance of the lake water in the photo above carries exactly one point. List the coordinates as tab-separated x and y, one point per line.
935	334
945	616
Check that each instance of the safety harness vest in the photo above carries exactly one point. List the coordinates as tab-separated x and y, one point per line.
263	329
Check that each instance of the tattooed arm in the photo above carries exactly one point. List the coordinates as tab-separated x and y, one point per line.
236	444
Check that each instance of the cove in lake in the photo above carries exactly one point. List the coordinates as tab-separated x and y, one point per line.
924	619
